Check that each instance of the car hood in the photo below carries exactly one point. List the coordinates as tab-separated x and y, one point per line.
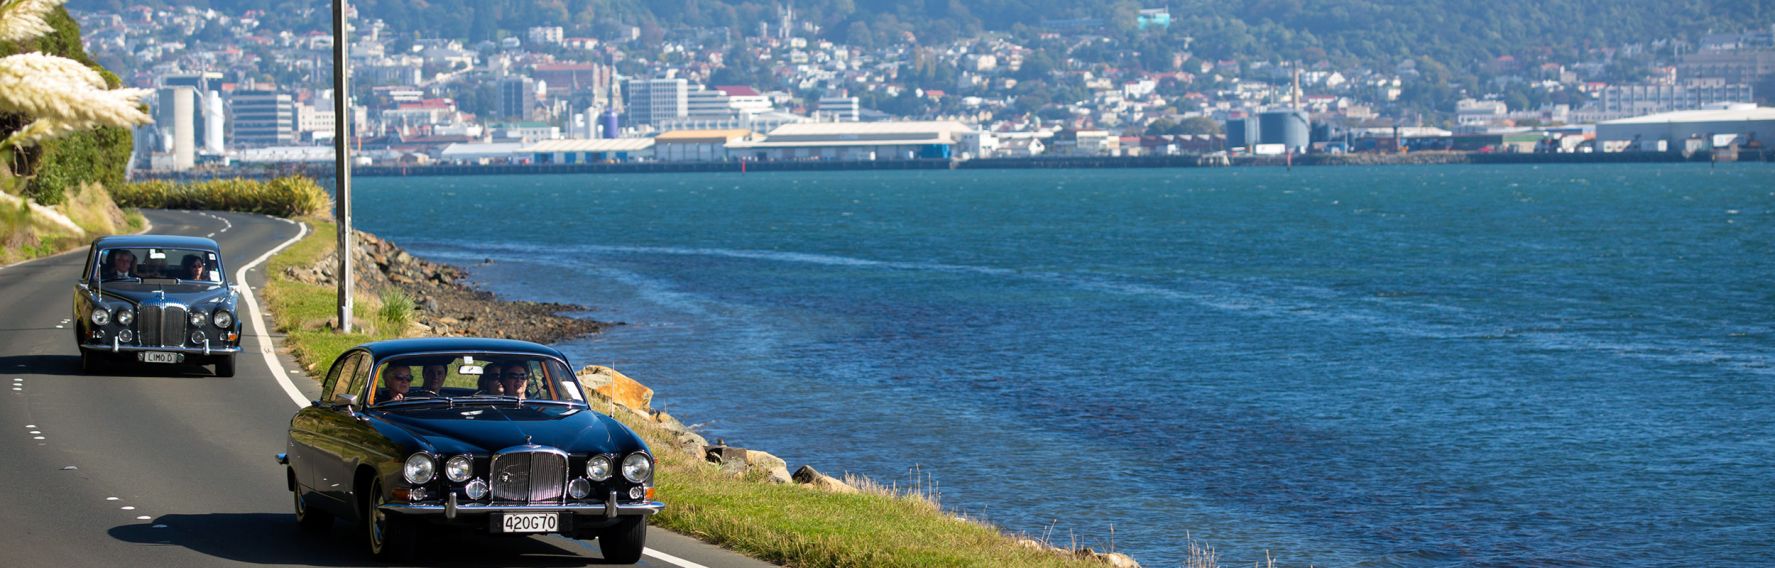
484	429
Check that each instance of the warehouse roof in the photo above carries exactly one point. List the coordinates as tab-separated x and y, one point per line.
1734	113
591	145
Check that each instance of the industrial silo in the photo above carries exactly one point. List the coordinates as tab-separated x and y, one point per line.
1241	132
1289	128
608	122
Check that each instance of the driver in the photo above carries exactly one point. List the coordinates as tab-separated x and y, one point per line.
120	263
395	381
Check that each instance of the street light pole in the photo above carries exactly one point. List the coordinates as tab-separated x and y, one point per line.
342	155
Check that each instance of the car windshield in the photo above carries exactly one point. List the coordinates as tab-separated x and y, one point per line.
155	266
469	377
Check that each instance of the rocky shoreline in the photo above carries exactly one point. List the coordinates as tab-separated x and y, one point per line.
444	305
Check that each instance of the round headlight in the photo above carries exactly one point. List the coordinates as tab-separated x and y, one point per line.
196	319
419	469
101	316
636	467
223	319
199	338
459	468
598	468
125	315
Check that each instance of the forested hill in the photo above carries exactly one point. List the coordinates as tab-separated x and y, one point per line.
1381	33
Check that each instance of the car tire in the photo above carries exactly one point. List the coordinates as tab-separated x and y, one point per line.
623	542
310	519
388	536
225	366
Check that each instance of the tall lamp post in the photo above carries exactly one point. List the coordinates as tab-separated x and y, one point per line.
342	165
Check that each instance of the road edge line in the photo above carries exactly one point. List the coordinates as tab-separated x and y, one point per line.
266	349
669	559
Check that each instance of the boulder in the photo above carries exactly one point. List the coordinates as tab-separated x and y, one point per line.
740	461
1112	559
811	477
616	386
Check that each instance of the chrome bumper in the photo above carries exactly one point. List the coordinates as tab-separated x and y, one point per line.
451	509
124	348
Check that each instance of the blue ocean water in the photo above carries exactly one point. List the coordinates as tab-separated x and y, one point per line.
1454	365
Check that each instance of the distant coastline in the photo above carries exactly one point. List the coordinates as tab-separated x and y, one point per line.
320	171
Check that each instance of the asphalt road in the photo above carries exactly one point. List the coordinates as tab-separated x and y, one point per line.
174	467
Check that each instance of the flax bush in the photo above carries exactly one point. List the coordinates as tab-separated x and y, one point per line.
294	196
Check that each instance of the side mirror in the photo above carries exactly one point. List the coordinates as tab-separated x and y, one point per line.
346	400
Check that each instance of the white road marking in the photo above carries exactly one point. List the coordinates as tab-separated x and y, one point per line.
36	437
246	293
301	400
669	559
110	498
30	425
35	432
144	518
127	508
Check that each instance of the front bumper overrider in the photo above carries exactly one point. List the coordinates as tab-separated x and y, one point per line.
450	508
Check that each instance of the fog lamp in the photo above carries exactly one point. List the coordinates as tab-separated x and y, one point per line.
199	337
476	489
126	336
417	494
637	492
579	488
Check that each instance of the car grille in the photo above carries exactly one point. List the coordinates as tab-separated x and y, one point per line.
160	326
529	475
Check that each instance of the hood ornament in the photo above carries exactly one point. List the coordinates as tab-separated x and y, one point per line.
526	439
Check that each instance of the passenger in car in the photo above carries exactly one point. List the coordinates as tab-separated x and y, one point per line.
517	377
434	378
396	379
120	263
195	268
491	382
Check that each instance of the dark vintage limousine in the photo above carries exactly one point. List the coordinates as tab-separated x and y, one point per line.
490	434
156	300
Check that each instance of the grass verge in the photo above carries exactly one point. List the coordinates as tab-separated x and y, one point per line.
787	524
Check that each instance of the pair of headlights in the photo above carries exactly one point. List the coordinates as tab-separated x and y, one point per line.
221	318
421	468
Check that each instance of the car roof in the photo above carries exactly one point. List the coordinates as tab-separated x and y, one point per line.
156	241
398	347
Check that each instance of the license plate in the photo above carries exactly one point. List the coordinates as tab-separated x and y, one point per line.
530	523
159	357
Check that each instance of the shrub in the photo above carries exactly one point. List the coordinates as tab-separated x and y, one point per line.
286	197
397	309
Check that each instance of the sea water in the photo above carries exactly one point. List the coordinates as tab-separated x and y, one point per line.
1439	365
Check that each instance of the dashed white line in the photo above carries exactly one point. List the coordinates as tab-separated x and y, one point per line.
144	518
110	498
127	508
671	559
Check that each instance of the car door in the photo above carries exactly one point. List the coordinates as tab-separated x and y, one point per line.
338	425
84	296
306	427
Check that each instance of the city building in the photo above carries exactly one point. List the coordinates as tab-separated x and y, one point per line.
590	151
651	101
840	109
1694	94
517	98
262	118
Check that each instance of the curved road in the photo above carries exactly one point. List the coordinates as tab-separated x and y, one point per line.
173	467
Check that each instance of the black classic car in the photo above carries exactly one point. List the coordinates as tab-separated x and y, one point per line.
490	434
156	299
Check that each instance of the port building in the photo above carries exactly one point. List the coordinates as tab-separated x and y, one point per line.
1743	125
856	141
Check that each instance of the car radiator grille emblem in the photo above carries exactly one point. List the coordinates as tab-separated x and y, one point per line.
529	476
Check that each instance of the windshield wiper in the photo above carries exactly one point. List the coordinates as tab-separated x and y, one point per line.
548	401
487	398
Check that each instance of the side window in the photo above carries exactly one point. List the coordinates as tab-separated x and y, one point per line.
342	378
356	371
91	257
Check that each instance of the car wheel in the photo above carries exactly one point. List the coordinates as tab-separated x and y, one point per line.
225	366
311	520
623	542
389	537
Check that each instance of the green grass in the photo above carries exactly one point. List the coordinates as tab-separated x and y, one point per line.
786	524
